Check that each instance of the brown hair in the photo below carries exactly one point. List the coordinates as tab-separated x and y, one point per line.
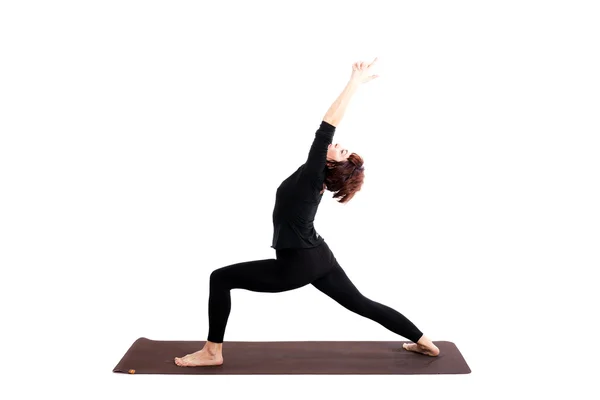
344	178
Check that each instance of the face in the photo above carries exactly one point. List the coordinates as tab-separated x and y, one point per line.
337	152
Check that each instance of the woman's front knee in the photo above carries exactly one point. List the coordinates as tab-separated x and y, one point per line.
216	276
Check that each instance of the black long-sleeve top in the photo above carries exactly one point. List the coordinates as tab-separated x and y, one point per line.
298	197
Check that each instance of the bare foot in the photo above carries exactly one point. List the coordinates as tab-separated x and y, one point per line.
201	358
423	346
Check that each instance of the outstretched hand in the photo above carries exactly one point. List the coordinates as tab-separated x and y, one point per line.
361	71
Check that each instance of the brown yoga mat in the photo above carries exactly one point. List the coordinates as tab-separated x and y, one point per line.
147	356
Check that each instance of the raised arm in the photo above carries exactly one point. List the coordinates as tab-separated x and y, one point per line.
336	111
360	75
317	156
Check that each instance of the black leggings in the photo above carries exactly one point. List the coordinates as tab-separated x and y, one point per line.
293	269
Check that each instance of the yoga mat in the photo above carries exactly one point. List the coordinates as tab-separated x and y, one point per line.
147	356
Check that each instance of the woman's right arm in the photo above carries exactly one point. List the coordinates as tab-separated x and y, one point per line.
338	108
360	75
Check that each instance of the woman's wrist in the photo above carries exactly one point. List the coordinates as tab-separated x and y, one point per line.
354	82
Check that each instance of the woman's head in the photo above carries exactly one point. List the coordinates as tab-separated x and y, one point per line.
345	173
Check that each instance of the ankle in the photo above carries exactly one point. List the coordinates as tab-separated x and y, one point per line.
213	348
426	344
424	341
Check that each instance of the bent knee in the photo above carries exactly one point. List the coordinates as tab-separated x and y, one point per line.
217	275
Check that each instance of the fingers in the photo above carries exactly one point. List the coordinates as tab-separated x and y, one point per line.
362	67
359	65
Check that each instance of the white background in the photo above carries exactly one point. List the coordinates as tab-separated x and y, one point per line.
142	143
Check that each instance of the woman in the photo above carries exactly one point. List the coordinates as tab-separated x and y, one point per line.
303	257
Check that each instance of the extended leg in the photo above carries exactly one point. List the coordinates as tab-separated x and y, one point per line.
338	286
